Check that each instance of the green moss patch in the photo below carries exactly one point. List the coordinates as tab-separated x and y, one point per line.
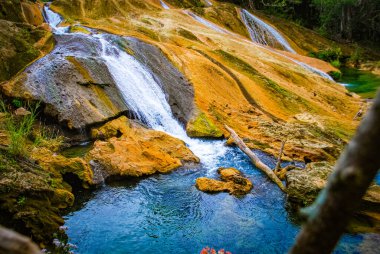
187	34
148	32
202	126
286	99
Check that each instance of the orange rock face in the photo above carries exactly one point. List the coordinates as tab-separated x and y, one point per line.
138	151
232	182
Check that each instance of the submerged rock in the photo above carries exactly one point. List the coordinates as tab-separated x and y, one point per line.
232	182
138	151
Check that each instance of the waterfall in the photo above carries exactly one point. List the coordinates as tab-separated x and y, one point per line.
263	33
208	3
207	23
144	95
164	5
54	19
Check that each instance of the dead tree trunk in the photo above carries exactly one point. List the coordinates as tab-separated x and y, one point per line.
278	164
335	205
255	160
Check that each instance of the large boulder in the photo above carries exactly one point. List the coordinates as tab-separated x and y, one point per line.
76	87
72	81
14	243
232	181
304	185
132	150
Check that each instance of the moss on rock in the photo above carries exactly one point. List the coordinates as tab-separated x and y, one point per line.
201	126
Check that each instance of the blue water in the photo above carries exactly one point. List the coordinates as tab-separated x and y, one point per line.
167	214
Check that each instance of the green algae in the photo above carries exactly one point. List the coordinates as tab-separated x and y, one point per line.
202	126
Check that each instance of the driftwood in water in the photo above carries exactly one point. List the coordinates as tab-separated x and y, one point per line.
254	159
336	204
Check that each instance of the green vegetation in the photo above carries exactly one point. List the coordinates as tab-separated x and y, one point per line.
332	55
339	19
336	75
187	34
148	32
186	3
22	132
19	128
21	200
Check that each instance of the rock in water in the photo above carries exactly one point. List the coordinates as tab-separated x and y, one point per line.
133	150
304	185
232	182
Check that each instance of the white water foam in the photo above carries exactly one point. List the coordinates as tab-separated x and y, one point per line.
208	3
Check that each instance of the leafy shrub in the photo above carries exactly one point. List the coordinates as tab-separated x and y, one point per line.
336	63
336	75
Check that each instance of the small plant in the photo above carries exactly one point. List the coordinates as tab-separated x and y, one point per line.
48	137
21	200
17	103
19	127
60	243
336	75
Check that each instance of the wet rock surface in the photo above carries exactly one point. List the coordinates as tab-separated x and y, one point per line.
70	81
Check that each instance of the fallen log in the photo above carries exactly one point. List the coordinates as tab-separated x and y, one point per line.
254	159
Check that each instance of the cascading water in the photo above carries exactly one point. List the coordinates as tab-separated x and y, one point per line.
263	33
54	20
164	5
144	96
208	3
207	23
